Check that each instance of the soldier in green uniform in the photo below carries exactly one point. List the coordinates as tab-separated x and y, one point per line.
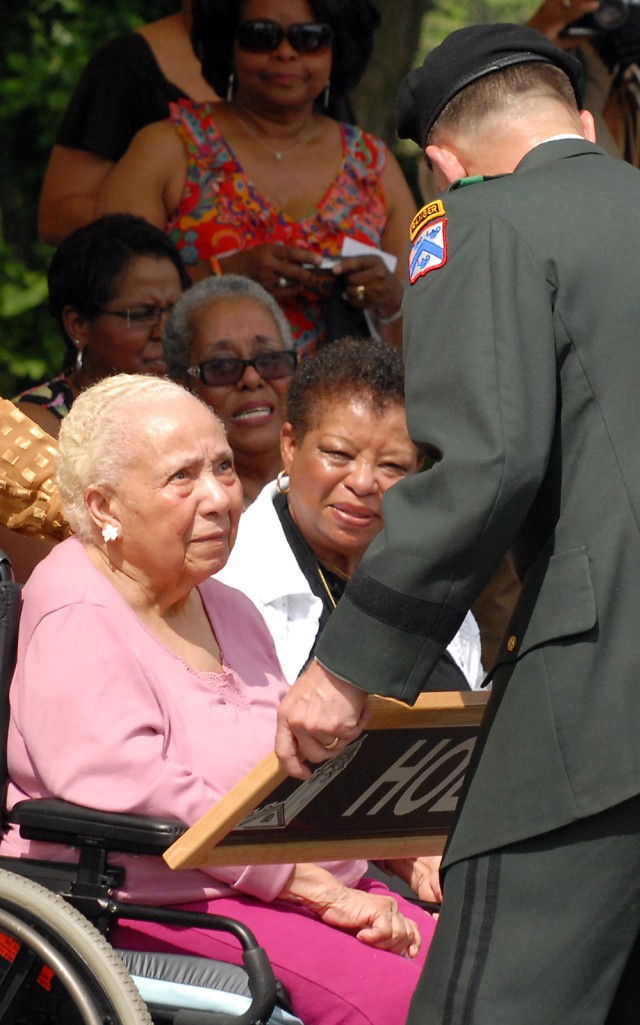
522	326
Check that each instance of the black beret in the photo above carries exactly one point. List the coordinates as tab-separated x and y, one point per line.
463	57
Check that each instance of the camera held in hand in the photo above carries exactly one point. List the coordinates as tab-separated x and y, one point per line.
610	16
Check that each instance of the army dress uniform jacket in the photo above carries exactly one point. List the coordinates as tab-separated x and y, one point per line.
522	336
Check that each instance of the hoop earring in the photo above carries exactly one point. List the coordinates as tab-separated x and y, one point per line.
231	84
78	367
282	488
326	95
110	533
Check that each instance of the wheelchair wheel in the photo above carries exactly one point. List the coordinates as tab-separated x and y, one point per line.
55	966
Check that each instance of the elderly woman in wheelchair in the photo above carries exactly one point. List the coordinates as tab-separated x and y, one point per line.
142	686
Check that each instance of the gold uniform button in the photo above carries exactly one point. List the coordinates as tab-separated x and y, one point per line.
512	643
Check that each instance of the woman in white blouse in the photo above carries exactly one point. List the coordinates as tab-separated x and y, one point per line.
344	444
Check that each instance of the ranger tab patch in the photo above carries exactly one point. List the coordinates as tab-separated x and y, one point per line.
429	250
428	213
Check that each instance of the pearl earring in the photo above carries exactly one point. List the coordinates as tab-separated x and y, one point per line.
110	533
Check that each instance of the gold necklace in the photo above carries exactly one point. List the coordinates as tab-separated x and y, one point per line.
325	585
277	153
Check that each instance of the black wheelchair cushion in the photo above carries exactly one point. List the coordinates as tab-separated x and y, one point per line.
57	821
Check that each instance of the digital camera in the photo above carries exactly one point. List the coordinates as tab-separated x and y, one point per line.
610	15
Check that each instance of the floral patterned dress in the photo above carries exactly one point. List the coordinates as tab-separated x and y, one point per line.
221	211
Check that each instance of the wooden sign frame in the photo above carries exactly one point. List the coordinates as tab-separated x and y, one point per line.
267	818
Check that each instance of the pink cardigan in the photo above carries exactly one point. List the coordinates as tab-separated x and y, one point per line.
102	714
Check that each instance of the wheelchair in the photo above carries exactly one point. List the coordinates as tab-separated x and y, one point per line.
56	964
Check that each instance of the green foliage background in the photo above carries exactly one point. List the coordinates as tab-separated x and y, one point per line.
45	44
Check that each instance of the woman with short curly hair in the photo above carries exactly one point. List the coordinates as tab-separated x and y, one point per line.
344	444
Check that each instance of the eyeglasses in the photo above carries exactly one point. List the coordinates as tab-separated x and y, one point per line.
140	316
258	36
230	369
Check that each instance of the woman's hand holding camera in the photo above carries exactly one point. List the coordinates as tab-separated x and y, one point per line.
369	285
278	268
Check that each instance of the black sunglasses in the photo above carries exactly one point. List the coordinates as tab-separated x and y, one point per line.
262	36
229	369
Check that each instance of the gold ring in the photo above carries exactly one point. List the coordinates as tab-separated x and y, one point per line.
360	293
334	743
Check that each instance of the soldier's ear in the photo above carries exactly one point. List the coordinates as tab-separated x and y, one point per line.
446	164
588	125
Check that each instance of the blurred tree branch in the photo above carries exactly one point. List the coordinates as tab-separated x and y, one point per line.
396	52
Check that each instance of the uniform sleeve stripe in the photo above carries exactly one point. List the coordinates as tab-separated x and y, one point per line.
412	615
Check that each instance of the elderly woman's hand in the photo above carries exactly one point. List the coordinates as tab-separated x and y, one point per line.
370	286
422	875
373	918
278	268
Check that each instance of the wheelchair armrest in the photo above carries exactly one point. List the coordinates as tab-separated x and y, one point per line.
61	822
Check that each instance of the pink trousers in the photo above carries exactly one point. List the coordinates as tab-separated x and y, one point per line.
332	978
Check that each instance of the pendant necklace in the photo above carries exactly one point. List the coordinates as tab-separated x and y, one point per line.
325	585
277	153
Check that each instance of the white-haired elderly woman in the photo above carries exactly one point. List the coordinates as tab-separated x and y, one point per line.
164	685
228	340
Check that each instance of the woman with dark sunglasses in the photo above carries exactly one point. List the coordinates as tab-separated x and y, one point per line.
228	340
264	184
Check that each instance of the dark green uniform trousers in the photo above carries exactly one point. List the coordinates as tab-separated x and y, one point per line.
544	932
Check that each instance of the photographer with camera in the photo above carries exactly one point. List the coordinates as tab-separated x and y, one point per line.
606	39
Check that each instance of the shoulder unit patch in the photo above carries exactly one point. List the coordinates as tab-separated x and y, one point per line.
429	250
